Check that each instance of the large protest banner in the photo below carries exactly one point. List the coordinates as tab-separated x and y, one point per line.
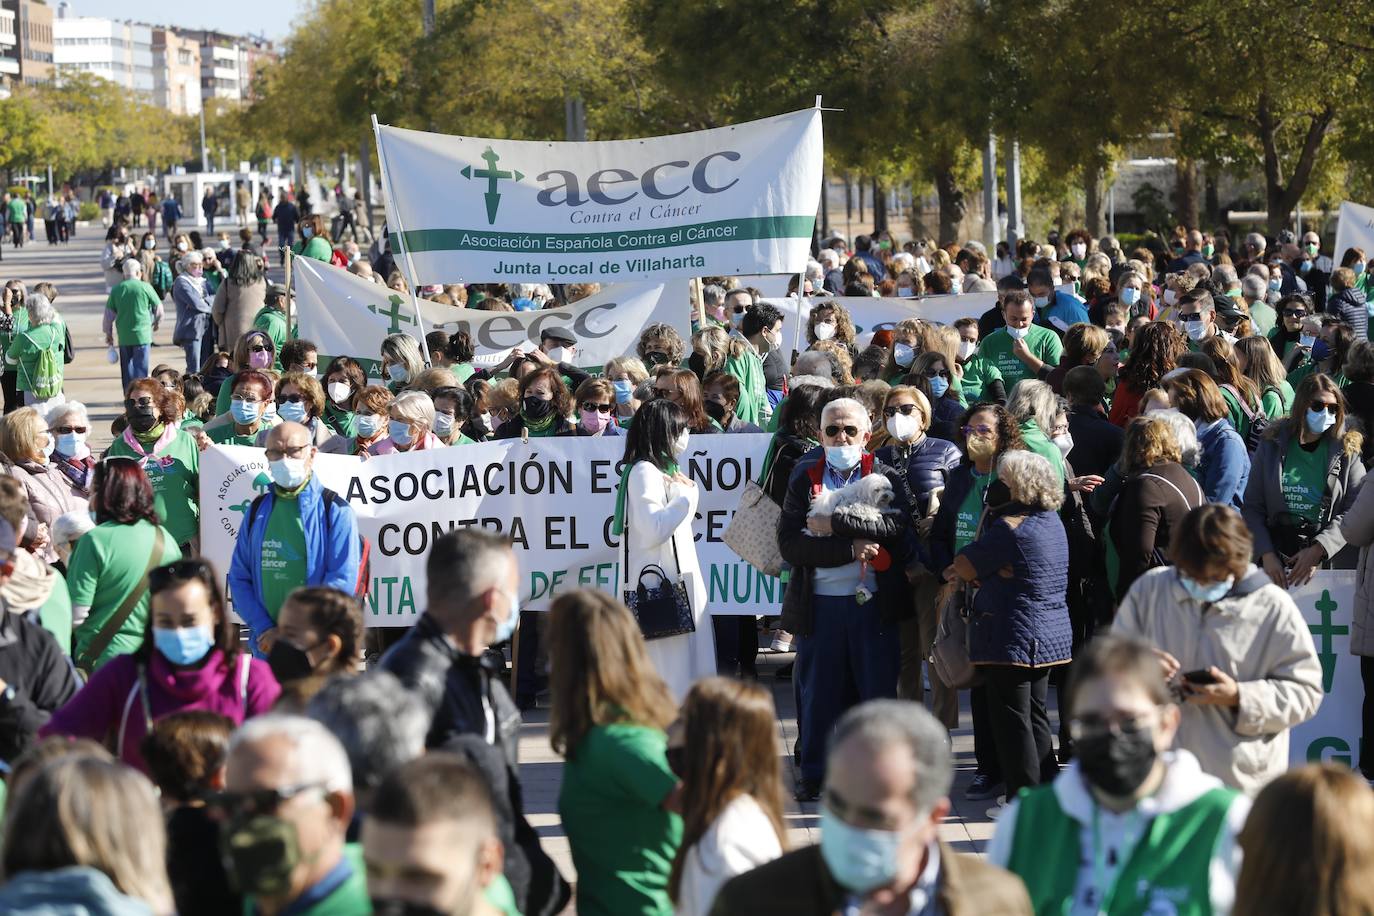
347	315
1335	732
731	200
1354	229
554	497
872	314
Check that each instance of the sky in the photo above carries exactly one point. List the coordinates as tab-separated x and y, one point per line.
270	17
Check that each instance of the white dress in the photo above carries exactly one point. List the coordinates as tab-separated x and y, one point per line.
739	840
656	510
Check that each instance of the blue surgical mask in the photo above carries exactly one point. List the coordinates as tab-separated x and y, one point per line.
1128	296
938	386
294	411
904	354
369	424
843	457
1207	593
399	431
269	413
306	232
69	443
506	628
245	412
1358	267
624	390
1276	283
184	645
859	860
1304	267
1319	421
1042	301
398	372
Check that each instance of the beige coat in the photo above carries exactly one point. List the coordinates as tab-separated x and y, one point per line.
1357	527
50	494
1262	641
234	309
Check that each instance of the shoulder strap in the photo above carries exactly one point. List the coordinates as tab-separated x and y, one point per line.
1240	399
134	691
1171	485
97	646
245	665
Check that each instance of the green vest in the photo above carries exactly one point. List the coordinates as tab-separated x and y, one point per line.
1170	863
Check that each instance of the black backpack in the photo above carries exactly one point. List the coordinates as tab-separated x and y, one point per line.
1259	420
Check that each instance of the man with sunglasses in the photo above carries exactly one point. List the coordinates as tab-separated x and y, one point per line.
298	533
1197	316
287	804
848	591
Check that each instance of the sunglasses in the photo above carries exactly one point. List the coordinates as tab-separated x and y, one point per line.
590	406
1195	316
851	431
138	402
905	410
290	399
938	373
260	801
1295	313
68	430
1329	408
259	349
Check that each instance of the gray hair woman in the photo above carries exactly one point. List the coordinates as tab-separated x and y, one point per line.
401	360
1035	407
194	305
410	426
69	426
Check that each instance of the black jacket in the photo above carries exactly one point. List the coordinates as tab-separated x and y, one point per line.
1096	441
452	685
923	467
805	553
43	679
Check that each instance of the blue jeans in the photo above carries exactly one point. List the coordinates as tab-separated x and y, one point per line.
133	363
848	658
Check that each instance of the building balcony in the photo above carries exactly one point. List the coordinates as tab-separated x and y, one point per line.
9	65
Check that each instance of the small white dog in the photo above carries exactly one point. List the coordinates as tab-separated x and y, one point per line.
865	498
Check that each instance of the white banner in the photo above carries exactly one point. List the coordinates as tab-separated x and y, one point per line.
870	314
555	498
1335	732
348	316
1354	229
732	200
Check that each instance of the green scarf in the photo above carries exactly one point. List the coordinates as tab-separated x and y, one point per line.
538	426
151	435
618	526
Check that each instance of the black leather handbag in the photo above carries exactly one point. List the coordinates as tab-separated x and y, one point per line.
663	608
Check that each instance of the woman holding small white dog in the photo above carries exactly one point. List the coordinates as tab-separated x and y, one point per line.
1020	622
654	514
848	592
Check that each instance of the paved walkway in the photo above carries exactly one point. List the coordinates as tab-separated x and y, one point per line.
75	268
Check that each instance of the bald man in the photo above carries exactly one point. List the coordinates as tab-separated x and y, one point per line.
298	533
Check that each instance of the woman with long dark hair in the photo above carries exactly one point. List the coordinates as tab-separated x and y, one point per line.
683	388
1155	349
654	510
732	801
189	658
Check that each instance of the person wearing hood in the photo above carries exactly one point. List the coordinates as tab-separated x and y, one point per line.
1304	476
297	533
1348	302
36	677
1127	812
167	453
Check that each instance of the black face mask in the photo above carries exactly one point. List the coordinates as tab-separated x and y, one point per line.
537	408
715	411
1116	764
382	907
288	662
141	418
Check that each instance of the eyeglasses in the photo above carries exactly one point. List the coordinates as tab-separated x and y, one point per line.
832	431
290	451
1195	316
1329	408
591	406
244	399
1295	313
290	399
982	429
68	430
905	410
261	801
938	373
1097	726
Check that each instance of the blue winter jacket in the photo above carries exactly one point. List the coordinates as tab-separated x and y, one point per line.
331	552
1022	618
1063	312
1225	466
73	891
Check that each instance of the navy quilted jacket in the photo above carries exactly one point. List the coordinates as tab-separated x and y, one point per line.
924	466
1021	618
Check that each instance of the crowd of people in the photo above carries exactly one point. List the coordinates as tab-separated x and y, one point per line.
1109	483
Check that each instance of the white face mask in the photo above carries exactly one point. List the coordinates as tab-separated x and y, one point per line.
1065	444
339	391
1017	333
824	330
903	426
967	348
1079	250
560	354
680	444
1170	297
181	246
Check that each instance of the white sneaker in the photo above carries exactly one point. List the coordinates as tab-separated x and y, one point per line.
996	810
782	641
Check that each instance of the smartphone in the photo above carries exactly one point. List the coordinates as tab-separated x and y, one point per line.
1200	676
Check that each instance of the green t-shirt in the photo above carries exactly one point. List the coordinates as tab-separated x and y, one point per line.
1277	402
462	371
1235	413
1036	441
106	566
134	304
348	899
174	472
25	349
970	511
19	211
343	422
611	803
1263	317
228	434
272	321
995	351
283	551
1303	478
55	614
